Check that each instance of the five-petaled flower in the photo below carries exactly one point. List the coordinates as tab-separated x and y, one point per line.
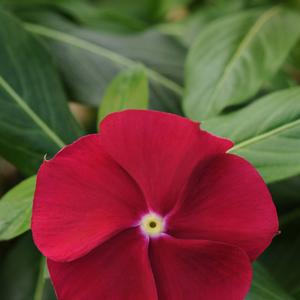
151	208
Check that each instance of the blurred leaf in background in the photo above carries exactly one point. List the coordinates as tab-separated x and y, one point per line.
128	90
20	269
99	56
265	287
282	258
34	116
233	57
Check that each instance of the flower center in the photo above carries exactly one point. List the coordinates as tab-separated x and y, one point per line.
152	225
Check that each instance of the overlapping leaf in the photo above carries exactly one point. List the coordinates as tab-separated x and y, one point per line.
265	287
282	257
22	273
233	57
90	59
15	209
128	90
267	133
34	117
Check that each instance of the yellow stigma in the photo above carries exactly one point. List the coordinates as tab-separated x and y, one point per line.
152	224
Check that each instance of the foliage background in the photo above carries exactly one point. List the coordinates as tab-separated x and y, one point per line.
65	64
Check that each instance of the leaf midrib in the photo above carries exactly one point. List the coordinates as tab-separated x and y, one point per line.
265	135
35	118
261	21
102	51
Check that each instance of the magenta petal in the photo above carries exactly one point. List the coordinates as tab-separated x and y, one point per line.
159	151
193	270
117	270
227	201
82	198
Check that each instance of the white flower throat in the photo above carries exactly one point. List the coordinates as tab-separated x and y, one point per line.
152	225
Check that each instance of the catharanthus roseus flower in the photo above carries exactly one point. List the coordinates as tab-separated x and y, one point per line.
151	208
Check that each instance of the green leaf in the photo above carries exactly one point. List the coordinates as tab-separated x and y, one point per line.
295	57
142	9
22	272
188	29
102	17
15	209
282	257
287	191
20	269
265	287
166	6
34	117
103	55
128	90
267	133
234	56
48	291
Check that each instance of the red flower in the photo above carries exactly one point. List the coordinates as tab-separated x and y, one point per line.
152	208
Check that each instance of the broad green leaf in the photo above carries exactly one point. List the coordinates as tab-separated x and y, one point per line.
234	56
282	257
102	16
128	90
142	9
107	17
20	271
102	56
189	28
267	133
15	209
264	287
34	117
